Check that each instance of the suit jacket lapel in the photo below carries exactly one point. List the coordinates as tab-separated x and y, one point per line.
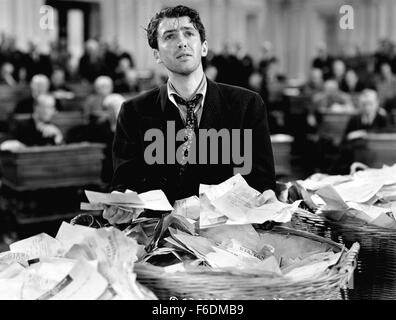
211	114
166	108
162	99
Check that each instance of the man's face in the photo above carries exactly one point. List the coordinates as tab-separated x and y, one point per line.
179	46
368	103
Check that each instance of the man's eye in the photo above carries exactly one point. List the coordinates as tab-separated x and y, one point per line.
169	36
189	33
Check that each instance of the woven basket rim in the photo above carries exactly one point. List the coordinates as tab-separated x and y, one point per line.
351	224
336	275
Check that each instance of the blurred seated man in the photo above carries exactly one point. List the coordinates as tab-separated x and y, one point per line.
338	70
6	75
129	83
36	129
322	60
91	64
123	65
93	108
36	61
314	83
100	131
58	86
103	132
370	117
332	99
386	84
351	83
38	85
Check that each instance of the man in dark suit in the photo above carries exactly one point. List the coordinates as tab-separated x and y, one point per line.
187	104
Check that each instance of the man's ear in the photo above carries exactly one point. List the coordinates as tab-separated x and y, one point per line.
204	50
157	56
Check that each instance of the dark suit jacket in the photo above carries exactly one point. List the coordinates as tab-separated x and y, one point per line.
225	106
25	131
380	123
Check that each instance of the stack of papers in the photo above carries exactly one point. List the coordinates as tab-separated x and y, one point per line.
129	200
241	249
367	195
81	263
234	202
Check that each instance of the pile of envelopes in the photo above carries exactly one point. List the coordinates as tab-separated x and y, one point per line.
79	263
369	196
216	230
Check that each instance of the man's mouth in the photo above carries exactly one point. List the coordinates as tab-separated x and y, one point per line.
183	55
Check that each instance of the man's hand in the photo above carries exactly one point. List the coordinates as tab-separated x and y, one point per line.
11	145
357	134
268	196
116	215
49	131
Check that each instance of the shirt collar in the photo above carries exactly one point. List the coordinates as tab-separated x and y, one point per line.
201	89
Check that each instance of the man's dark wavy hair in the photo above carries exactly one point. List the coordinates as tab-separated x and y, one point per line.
173	12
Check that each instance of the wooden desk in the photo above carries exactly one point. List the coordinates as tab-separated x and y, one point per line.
42	186
34	168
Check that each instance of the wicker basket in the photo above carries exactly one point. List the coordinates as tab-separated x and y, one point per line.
376	267
201	283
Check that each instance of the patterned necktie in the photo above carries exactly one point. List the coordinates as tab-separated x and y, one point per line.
191	123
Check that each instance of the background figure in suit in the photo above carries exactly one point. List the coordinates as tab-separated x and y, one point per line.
103	132
37	129
93	107
129	83
371	118
40	84
36	62
91	64
177	38
6	74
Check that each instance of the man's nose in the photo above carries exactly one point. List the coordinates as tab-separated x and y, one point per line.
182	41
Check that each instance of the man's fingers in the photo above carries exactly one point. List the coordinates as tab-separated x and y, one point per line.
268	196
117	215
